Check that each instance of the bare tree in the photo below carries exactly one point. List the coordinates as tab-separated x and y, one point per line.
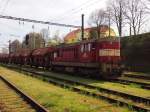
97	19
117	8
135	14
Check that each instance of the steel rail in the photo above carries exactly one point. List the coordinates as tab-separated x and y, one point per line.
137	76
125	81
27	98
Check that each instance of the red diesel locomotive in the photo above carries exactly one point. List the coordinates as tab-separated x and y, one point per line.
90	57
98	57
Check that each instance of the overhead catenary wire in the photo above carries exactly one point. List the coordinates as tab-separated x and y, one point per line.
37	21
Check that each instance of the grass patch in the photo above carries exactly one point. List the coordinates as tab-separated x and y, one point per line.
131	89
135	85
58	99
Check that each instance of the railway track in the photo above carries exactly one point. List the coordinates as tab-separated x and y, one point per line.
14	100
134	102
116	80
127	81
137	75
122	80
137	78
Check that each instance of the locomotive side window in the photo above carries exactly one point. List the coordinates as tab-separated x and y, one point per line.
86	47
55	54
82	48
93	46
75	52
89	47
61	53
58	53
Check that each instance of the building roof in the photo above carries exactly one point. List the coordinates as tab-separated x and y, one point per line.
72	35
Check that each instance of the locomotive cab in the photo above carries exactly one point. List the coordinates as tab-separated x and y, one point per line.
87	52
102	56
109	57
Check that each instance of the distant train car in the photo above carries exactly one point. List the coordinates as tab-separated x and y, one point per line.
12	58
25	56
1	57
4	58
41	57
18	58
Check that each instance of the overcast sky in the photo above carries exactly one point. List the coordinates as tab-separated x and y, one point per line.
61	11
